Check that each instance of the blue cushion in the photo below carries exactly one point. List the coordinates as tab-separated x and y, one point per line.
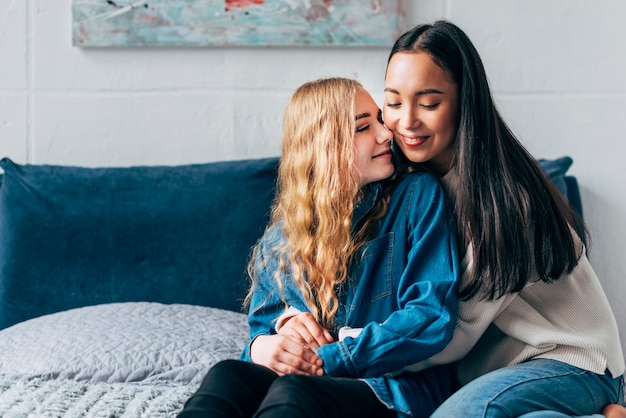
74	236
557	171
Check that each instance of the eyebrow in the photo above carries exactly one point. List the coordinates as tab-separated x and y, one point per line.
419	93
362	115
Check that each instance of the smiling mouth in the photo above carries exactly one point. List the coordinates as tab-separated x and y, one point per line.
386	152
414	140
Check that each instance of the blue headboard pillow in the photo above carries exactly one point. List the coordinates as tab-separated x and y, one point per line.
568	185
73	236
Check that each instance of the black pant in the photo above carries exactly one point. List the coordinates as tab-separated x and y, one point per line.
234	388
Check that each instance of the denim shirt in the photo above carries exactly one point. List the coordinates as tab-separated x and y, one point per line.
401	295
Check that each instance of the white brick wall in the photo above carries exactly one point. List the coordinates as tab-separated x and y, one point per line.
557	67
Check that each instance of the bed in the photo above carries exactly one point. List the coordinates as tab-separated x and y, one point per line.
120	287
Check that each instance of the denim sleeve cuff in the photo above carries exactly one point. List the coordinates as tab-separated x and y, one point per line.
337	359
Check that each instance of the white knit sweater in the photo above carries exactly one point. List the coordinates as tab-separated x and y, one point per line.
569	320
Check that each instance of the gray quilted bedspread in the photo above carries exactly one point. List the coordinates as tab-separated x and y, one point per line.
134	359
70	398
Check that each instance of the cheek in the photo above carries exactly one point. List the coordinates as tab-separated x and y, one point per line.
446	123
388	118
360	161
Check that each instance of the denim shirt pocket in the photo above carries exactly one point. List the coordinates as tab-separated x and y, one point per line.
372	273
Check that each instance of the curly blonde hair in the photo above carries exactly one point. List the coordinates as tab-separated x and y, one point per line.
316	193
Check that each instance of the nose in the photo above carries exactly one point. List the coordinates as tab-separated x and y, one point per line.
384	134
408	118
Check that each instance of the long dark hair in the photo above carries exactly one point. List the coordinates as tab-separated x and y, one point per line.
516	220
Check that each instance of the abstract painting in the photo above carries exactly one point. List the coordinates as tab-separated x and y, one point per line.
110	23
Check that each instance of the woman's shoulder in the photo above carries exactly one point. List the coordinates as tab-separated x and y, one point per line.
418	181
418	190
272	238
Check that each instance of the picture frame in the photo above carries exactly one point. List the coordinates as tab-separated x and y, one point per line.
145	23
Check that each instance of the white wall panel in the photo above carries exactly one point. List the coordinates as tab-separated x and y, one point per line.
13	50
13	126
155	128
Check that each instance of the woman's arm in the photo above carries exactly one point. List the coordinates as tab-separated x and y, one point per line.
280	353
474	317
426	293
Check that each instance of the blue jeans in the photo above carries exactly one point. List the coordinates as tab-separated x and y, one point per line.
534	388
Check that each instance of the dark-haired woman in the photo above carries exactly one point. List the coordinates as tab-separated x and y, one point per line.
535	331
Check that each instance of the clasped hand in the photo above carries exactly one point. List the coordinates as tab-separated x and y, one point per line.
292	350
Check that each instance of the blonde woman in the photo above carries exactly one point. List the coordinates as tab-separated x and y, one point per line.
372	274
